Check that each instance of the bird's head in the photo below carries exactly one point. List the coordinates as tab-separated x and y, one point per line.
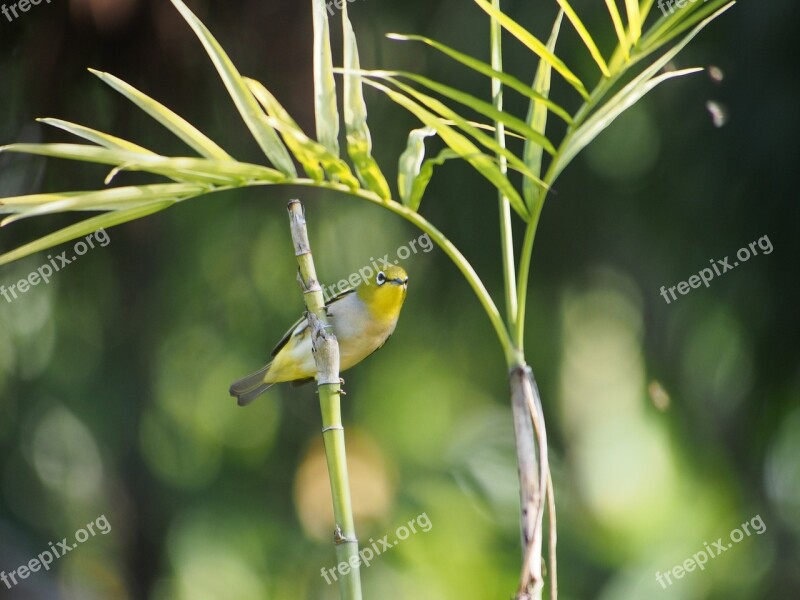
385	291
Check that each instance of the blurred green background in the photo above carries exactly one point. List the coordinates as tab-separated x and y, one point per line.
670	425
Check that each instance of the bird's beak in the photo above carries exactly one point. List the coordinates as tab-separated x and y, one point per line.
403	282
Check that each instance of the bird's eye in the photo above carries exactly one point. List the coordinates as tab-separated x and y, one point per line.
381	278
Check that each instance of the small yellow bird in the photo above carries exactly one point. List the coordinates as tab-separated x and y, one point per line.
362	319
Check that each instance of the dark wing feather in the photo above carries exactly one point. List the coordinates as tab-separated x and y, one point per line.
288	335
304	322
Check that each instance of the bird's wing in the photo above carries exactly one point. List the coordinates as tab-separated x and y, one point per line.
297	329
301	324
339	296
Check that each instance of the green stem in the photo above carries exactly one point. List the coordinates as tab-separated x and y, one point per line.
524	271
598	93
326	355
506	233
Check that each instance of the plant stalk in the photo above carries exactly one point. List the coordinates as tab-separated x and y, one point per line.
506	233
326	355
531	582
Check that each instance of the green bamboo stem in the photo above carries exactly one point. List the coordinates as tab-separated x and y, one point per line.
326	355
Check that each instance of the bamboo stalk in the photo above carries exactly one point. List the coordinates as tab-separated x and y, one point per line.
531	498
326	356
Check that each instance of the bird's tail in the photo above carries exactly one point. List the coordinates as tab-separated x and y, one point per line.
250	387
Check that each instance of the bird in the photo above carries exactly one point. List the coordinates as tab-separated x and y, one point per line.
362	318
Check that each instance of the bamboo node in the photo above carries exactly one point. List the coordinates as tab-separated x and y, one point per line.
340	538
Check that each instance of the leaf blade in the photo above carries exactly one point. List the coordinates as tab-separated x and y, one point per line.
486	69
77	230
534	45
359	140
251	113
585	36
120	198
532	154
98	137
460	144
634	20
480	106
485	140
184	130
410	162
619	28
311	153
326	112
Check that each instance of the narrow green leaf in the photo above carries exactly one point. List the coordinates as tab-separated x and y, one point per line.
187	132
425	174
486	141
534	45
485	127
480	106
644	9
617	105
668	28
198	170
248	108
83	228
98	137
19	203
120	198
458	143
486	69
537	118
625	98
634	20
312	152
82	152
619	28
585	36
411	161
326	111
359	140
293	136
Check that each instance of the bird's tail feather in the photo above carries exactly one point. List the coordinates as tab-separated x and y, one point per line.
250	387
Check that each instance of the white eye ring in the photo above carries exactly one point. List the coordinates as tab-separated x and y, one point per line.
381	278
